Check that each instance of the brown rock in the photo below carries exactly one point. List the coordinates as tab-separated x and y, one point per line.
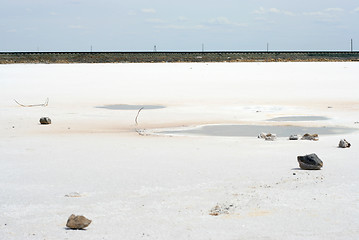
77	222
308	136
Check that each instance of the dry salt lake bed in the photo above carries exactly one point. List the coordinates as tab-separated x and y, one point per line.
192	167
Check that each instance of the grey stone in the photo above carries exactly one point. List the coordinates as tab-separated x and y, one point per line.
294	137
77	222
344	144
310	162
45	120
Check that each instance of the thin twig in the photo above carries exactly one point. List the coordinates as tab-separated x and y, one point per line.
34	105
138	114
139	131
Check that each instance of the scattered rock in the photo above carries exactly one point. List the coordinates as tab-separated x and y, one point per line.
73	194
310	162
294	137
262	135
77	222
45	120
308	136
268	136
221	209
344	143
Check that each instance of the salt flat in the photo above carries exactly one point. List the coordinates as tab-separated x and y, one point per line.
163	186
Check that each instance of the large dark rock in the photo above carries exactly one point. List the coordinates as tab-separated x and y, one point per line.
45	120
77	222
310	162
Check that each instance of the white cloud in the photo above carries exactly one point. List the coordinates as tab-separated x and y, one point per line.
225	21
154	20
263	10
182	27
76	26
356	9
182	19
148	10
12	31
274	10
334	10
318	13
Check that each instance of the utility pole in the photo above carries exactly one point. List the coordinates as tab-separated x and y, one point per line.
202	47
267	47
91	48
155	48
351	45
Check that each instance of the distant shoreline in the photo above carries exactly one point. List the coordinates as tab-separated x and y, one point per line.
156	57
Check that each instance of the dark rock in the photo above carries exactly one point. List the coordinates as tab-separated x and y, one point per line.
344	144
45	120
77	222
310	162
294	137
308	136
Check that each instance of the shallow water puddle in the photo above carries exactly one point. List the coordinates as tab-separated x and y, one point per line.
254	130
130	107
298	118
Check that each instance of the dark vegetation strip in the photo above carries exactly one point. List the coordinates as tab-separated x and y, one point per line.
212	56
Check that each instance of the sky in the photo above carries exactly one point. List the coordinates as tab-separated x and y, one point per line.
183	25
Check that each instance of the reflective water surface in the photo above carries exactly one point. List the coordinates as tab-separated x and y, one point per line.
130	107
299	118
254	130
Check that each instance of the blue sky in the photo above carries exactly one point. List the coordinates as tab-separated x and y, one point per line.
138	25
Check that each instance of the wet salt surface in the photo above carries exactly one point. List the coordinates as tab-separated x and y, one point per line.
299	118
130	107
254	130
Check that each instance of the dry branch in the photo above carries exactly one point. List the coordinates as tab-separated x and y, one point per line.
139	131
137	115
34	105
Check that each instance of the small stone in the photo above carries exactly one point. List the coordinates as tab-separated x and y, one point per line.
45	120
310	162
344	144
268	136
262	135
294	173
221	209
77	222
308	136
73	194
294	137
